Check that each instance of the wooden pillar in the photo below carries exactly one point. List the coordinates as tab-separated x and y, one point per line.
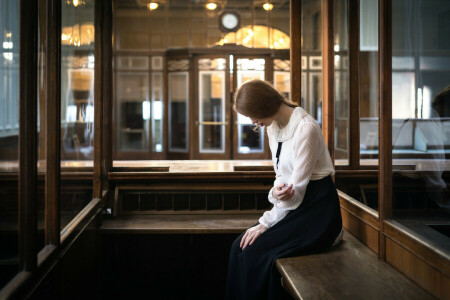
296	50
98	99
53	120
385	111
328	74
107	92
353	56
28	135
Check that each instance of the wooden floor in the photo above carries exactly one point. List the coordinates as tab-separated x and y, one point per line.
178	224
348	271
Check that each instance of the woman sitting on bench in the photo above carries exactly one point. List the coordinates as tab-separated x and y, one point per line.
305	217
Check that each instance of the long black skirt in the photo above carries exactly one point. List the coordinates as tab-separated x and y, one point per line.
311	228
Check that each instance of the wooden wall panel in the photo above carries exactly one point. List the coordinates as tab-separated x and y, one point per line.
417	269
367	234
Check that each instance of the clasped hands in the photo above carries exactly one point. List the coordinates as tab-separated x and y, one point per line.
283	192
280	192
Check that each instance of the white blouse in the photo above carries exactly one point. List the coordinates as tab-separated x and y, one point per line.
304	156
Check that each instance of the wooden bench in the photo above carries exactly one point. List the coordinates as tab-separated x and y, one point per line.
179	224
347	271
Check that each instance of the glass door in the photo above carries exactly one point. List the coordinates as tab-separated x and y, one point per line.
211	122
139	98
248	143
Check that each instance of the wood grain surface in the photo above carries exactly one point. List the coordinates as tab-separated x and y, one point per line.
179	224
348	271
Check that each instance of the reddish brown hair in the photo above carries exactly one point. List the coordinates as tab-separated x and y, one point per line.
258	99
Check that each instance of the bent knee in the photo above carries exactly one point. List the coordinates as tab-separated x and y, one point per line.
236	247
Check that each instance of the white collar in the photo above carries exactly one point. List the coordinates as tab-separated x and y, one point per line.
287	131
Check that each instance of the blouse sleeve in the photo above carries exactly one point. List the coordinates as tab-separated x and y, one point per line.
278	180
306	152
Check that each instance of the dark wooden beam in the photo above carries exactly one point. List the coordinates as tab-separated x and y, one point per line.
28	135
296	50
385	111
98	99
53	120
107	92
353	67
328	74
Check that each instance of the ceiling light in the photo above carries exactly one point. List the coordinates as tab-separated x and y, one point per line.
211	6
268	6
152	5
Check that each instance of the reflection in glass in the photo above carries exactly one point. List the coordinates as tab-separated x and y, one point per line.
212	111
77	82
9	133
421	116
368	80
157	115
311	32
178	111
282	77
77	102
249	141
133	111
341	129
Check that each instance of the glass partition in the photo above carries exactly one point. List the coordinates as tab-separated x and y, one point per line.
139	98
77	80
421	117
249	141
282	77
368	82
157	112
9	143
212	97
77	104
311	84
178	111
341	84
133	111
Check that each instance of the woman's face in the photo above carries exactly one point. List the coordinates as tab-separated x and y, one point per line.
262	122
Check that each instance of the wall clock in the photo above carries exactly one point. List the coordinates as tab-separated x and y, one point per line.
229	21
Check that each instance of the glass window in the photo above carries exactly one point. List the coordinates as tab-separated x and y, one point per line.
139	98
282	77
368	82
420	117
133	111
9	143
212	105
312	58
77	102
157	112
162	31
249	141
178	111
341	95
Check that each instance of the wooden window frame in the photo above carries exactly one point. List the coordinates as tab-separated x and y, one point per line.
376	229
33	267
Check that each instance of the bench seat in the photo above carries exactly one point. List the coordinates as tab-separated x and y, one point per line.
179	224
347	271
